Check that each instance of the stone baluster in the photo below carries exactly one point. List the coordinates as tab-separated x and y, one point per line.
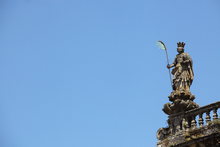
201	123
208	118
215	115
185	124
193	122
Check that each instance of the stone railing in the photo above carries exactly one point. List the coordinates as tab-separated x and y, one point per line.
192	119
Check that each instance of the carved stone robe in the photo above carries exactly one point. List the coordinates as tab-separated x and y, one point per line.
182	72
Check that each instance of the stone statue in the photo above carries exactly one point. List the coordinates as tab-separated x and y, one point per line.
182	79
183	71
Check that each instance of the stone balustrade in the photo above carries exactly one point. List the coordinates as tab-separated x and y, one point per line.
192	119
190	127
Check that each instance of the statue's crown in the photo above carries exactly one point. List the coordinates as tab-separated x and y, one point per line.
181	44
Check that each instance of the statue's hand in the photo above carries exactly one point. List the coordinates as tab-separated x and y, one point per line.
186	61
168	66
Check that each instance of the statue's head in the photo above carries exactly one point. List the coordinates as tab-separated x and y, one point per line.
180	47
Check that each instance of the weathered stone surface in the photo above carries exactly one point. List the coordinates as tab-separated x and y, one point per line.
181	98
185	131
203	136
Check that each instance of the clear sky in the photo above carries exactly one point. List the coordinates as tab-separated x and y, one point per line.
88	73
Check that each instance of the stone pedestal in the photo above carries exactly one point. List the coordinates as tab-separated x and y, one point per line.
180	101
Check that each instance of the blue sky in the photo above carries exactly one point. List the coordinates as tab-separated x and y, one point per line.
80	73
